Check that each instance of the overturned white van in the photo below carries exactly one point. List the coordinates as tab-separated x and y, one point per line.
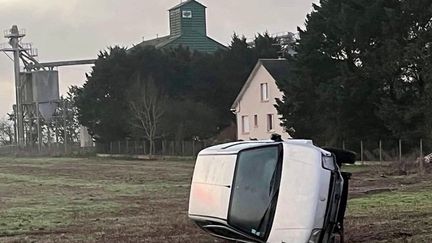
270	191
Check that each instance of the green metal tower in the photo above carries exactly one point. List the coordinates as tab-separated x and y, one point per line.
188	18
188	28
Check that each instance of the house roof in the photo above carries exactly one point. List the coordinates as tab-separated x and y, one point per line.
159	42
164	41
222	46
278	69
185	3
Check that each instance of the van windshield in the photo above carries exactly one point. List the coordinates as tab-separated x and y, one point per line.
255	190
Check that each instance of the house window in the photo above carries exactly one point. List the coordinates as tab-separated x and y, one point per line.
245	124
264	92
270	122
256	120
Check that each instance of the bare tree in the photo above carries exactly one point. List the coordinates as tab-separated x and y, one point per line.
147	105
6	132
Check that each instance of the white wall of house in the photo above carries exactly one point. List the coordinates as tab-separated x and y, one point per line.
257	118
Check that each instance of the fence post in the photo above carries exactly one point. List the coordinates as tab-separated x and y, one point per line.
183	148
400	150
343	144
402	165
111	148
193	148
380	151
172	148
421	162
361	152
127	146
119	147
421	147
135	147
144	147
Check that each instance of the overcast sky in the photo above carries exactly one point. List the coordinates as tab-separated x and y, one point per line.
79	29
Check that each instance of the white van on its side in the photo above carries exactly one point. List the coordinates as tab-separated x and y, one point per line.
270	191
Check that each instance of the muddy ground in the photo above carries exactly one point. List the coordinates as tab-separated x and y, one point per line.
100	200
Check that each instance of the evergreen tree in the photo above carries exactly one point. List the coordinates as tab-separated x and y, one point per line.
101	101
358	71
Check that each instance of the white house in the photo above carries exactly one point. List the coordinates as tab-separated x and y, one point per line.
257	118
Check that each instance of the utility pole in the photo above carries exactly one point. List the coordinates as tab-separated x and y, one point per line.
15	37
39	128
65	107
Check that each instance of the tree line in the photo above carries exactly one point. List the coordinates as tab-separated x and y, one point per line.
361	70
176	94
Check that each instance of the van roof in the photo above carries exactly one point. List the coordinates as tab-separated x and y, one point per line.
235	147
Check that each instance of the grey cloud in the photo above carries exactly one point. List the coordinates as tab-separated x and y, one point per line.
72	29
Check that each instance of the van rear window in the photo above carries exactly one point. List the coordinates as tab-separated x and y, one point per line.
255	189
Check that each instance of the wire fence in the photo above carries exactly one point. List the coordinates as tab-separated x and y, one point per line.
383	150
372	151
54	149
389	150
161	148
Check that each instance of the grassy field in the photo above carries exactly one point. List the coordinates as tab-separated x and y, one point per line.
102	200
386	207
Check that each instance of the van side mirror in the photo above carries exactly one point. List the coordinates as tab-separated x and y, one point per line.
276	137
342	156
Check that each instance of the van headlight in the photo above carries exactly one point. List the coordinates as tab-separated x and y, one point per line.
315	236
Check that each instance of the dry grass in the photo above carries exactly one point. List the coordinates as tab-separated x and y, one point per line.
100	200
94	200
389	208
